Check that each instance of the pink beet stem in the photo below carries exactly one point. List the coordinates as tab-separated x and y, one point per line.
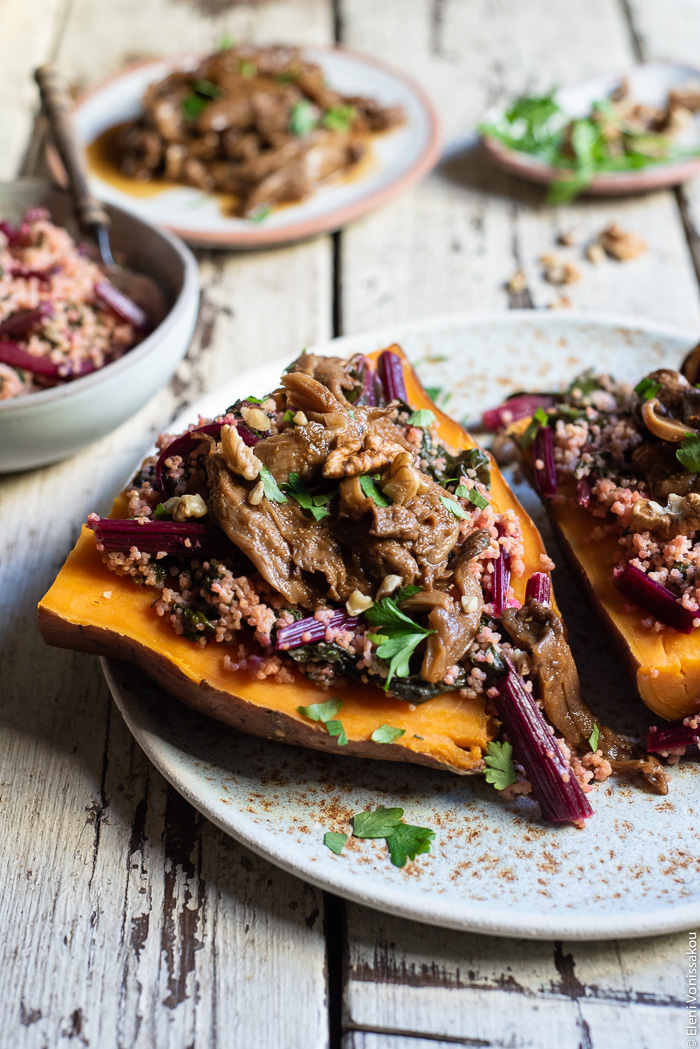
654	598
543	452
521	407
171	537
390	371
675	734
539	588
304	631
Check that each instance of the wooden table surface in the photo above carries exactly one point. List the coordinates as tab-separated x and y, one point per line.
126	918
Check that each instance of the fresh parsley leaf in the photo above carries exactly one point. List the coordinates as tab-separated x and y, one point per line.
423	417
646	388
453	507
407	842
335	728
339	118
433	392
500	770
325	713
315	504
288	416
247	69
378	824
386	612
270	486
477	499
594	738
302	118
539	419
399	635
386	734
261	213
206	88
322	712
372	492
193	106
689	453
226	42
161	513
334	841
253	400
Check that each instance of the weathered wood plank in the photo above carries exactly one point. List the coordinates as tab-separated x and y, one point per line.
141	924
451	244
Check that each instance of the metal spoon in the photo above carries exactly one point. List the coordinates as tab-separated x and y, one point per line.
90	213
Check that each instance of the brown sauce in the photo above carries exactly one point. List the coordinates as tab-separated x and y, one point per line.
103	161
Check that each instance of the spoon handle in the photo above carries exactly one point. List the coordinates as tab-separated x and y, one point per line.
58	107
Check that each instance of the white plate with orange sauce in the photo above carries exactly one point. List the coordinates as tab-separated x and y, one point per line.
395	159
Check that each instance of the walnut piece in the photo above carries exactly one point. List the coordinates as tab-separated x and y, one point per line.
240	459
517	283
621	244
401	481
681	516
349	461
558	271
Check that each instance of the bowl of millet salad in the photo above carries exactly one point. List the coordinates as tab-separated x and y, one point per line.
76	357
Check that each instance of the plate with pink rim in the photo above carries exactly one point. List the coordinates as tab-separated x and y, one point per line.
396	159
494	866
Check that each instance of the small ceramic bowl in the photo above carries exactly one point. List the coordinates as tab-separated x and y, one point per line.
49	425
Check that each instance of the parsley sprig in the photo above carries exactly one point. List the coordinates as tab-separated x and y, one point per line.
398	636
689	453
500	770
325	714
315	504
404	840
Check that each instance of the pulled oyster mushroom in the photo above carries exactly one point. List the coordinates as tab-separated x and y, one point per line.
675	407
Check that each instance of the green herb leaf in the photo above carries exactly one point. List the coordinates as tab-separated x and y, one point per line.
539	419
372	492
594	738
193	106
302	118
453	507
338	118
161	513
422	417
646	388
270	486
399	635
407	842
288	416
689	453
386	612
315	504
500	770
334	841
247	69
433	392
386	734
206	88
322	712
261	213
378	824
335	728
226	42
477	499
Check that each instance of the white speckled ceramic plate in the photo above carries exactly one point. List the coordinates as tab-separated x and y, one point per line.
494	866
397	159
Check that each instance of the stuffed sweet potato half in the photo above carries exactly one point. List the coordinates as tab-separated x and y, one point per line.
338	565
619	469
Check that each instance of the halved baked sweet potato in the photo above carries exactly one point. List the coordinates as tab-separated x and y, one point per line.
90	609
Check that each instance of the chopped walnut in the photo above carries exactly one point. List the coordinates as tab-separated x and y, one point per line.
569	237
595	253
620	244
681	516
562	303
517	283
401	481
558	271
376	454
240	459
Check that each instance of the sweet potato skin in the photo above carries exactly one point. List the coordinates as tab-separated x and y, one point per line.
90	609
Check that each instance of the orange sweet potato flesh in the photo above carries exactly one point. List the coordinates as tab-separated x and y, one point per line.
665	666
446	732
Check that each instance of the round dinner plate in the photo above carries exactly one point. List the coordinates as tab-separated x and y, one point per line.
494	866
398	158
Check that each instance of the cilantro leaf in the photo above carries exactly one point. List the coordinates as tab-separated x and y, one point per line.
339	118
386	734
500	770
270	486
378	824
334	841
302	118
260	214
477	499
323	712
206	88
689	453
594	738
453	507
407	842
646	388
372	492
423	417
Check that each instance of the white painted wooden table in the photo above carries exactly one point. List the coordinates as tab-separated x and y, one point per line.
126	918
